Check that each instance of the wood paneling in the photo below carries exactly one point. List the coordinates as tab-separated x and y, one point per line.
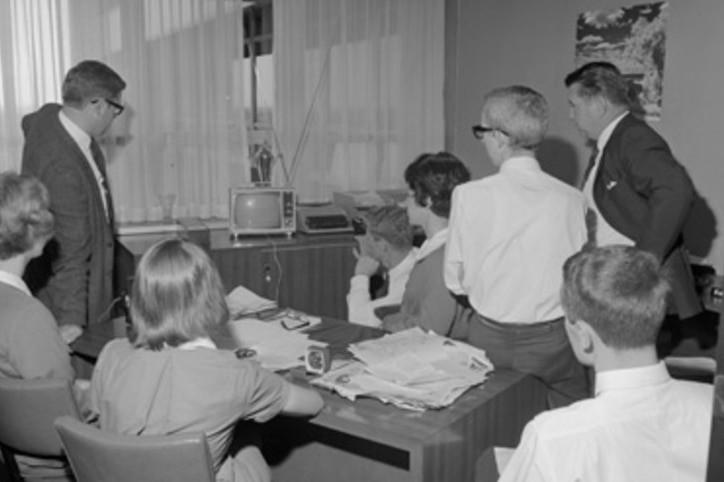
307	273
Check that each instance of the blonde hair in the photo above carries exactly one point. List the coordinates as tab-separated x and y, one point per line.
177	295
390	222
620	291
25	217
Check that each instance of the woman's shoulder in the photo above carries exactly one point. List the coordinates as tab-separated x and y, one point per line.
116	348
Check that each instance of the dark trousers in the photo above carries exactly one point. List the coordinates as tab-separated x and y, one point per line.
541	349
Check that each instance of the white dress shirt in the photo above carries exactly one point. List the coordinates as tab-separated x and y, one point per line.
361	306
432	244
605	235
509	235
642	426
83	140
15	281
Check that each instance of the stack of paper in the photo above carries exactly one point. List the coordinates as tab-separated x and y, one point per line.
274	347
410	369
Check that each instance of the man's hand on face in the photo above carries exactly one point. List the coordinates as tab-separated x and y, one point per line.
366	265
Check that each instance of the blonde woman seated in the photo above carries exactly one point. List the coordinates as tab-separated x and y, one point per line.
30	343
171	378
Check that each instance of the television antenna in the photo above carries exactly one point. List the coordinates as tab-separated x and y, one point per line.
305	128
290	173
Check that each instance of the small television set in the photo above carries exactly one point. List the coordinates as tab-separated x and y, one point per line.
262	210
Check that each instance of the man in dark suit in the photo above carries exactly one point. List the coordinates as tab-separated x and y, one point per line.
637	193
74	276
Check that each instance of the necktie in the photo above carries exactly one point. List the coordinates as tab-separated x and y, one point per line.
100	162
591	163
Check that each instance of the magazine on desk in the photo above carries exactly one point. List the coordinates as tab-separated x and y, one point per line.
410	369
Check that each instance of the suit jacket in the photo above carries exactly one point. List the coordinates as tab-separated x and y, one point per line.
74	276
646	195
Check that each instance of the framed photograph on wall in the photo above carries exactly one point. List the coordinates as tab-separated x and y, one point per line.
634	39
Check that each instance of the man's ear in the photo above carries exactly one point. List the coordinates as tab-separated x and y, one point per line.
599	106
96	107
580	336
37	248
586	336
501	140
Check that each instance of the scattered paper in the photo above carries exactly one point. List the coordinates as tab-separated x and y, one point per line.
274	347
410	369
243	301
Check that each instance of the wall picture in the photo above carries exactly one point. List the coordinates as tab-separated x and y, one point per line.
634	39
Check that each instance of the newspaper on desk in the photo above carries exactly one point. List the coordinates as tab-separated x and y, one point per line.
410	369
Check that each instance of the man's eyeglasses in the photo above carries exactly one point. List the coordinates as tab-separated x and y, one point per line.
118	108
480	131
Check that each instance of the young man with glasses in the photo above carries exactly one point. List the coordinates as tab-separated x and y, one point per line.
74	276
509	235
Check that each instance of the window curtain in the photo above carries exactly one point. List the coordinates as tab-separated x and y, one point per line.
182	135
34	54
358	91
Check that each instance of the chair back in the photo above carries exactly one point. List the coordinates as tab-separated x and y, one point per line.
28	409
100	456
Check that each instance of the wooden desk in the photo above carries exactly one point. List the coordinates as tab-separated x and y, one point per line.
369	441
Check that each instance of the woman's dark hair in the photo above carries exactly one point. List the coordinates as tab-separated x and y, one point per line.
433	177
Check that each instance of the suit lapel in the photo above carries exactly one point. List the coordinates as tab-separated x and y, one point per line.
85	168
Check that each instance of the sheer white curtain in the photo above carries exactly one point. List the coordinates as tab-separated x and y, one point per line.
183	130
359	90
34	54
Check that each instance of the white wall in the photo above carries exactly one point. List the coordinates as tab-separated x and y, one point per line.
491	43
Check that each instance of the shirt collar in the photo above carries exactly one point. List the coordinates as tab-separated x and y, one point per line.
203	342
629	378
526	163
404	266
80	136
431	244
15	281
606	133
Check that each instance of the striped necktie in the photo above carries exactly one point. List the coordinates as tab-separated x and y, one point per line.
100	161
591	163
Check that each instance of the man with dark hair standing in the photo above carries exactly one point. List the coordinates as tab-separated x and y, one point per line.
74	276
637	193
642	424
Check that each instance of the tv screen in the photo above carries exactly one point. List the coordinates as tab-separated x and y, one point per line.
257	210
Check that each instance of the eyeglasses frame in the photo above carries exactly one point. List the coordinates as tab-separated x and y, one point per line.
479	131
